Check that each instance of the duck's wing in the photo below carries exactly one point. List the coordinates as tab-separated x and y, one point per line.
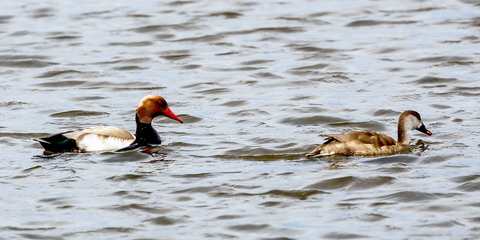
358	142
102	138
362	137
106	131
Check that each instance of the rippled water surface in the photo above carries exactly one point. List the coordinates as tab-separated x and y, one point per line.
256	83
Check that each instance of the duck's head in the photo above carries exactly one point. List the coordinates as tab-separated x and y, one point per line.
408	121
412	121
152	106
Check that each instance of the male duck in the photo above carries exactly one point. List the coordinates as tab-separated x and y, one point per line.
106	138
371	143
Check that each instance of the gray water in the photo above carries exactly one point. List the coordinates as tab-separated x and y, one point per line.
256	82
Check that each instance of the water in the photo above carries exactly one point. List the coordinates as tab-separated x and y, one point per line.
255	83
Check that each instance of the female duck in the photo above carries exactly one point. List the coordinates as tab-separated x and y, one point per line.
106	138
371	143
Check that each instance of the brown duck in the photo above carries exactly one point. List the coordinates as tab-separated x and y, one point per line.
371	143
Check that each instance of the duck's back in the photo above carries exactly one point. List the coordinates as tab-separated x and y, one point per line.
358	142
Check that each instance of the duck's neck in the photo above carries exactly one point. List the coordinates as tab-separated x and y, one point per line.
145	133
403	134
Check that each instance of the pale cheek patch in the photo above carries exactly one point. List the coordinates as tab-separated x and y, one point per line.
97	143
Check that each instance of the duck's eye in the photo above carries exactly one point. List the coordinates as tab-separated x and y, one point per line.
162	105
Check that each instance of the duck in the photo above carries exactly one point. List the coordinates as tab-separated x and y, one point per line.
366	142
108	138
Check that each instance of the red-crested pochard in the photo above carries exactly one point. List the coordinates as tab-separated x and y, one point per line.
106	138
371	143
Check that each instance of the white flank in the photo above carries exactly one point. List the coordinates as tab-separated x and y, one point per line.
98	143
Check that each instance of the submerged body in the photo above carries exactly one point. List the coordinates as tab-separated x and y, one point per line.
371	143
106	138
